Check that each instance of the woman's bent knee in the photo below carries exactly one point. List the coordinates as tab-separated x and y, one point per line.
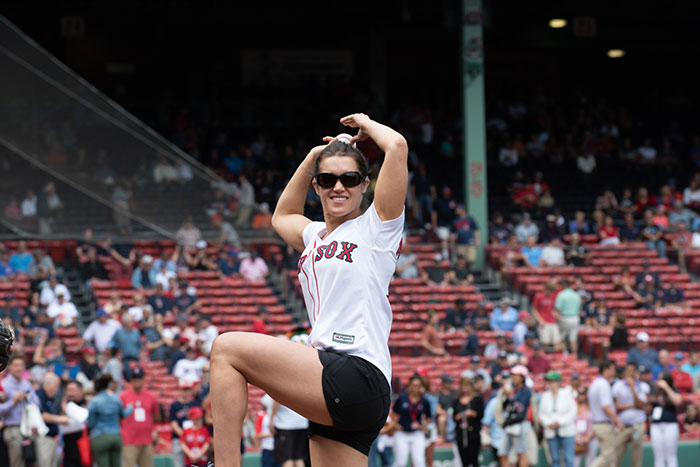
225	346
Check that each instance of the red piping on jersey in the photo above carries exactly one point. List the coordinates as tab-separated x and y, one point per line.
308	281
313	267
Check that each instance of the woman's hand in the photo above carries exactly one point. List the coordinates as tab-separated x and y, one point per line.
357	121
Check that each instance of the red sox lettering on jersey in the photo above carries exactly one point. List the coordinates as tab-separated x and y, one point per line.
329	252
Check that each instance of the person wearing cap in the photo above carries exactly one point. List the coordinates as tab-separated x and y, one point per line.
50	291
513	355
227	263
63	312
494	348
543	311
663	365
557	414
647	296
178	414
195	439
646	275
682	379
504	316
499	230
516	426
144	276
642	354
411	416
471	341
137	428
630	396
568	308
476	369
465	236
456	317
673	295
606	424
499	365
198	260
186	301
100	331
191	367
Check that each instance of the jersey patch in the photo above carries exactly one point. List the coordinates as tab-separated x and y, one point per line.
343	338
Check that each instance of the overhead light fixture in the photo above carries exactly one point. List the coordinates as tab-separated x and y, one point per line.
616	53
557	23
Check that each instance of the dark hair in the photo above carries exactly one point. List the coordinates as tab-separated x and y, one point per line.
342	149
666	376
415	376
103	382
74	381
16	357
605	364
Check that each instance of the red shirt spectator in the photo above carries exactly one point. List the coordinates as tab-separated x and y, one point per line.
196	439
543	303
137	428
259	325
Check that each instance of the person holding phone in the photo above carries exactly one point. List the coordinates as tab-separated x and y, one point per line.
411	415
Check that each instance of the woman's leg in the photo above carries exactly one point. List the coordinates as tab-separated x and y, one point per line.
657	444
290	373
418	449
671	443
592	453
473	451
553	444
329	453
568	450
401	449
116	452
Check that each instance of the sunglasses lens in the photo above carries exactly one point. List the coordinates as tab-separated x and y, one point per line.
350	179
325	180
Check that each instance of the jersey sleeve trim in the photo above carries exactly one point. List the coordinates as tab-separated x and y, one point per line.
388	225
311	229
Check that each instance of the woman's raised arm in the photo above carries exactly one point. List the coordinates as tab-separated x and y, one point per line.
390	191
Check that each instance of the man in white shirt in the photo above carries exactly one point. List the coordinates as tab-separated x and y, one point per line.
605	421
51	290
206	333
189	369
63	312
630	402
101	330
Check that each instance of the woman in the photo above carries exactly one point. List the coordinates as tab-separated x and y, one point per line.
691	421
619	339
104	414
468	410
345	268
557	414
664	422
411	416
431	431
609	234
585	443
516	427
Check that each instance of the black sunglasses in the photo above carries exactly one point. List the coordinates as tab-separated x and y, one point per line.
348	179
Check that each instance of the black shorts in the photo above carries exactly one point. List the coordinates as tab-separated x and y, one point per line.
291	445
358	400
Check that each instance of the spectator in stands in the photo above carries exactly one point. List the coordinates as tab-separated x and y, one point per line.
260	320
123	255
188	235
160	304
646	154
407	264
431	342
62	312
163	275
7	273
568	309
198	260
691	419
499	230
186	302
152	330
179	413
579	224
227	263
164	173
553	254
515	397
493	349
607	202
693	368
630	232
630	395
100	331
471	341
88	369
576	254
456	317
664	364
167	258
522	328
50	406
144	276
600	317
475	369
647	275
468	409
543	311
526	229
206	333
648	296
127	340
538	363
641	354
12	210
228	236
104	414
424	193
609	234
182	331
481	319
691	195
682	380
557	412
42	262
253	267
21	260
28	206
531	253
653	234
679	214
504	317
73	392
673	295
681	242
550	230
189	369
460	273
245	193
50	291
138	428
139	308
466	236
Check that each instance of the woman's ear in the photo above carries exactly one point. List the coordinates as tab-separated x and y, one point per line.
365	185
315	185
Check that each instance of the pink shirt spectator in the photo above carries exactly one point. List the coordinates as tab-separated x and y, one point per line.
253	269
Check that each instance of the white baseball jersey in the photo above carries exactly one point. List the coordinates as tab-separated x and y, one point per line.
345	280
